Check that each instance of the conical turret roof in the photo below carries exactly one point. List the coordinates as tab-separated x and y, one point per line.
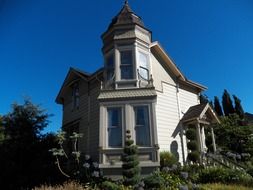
125	17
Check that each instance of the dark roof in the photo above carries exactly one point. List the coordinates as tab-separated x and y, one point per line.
194	112
126	16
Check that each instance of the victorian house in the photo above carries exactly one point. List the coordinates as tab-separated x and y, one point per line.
139	89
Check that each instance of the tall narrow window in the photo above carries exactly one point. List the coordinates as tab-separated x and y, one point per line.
142	127
144	66
126	64
110	67
75	96
114	127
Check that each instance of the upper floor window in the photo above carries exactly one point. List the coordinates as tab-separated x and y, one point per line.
75	96
110	67
142	126
143	65
114	127
126	64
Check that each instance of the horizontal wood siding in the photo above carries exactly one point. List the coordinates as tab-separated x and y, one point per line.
187	99
94	122
168	120
159	74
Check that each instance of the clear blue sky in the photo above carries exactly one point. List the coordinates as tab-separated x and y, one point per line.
210	41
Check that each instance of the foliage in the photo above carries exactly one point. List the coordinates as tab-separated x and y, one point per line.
225	175
238	107
154	180
191	134
227	103
108	185
217	106
167	159
1	131
192	145
232	137
218	186
25	160
131	169
71	185
194	156
77	167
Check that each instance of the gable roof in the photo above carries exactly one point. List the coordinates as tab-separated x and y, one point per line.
68	81
198	111
157	48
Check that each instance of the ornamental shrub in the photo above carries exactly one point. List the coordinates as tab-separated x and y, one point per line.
191	134
108	185
193	156
131	169
192	145
167	159
154	181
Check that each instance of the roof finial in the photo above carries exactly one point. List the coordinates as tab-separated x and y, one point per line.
126	2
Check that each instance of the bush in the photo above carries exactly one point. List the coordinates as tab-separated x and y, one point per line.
155	180
191	134
192	145
225	175
193	156
108	185
217	186
167	159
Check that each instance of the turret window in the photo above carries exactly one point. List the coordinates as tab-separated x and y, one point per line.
126	64
110	67
143	66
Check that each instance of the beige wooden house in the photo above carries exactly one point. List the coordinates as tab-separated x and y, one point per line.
139	89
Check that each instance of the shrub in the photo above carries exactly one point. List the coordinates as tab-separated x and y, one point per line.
155	180
193	156
192	145
108	185
225	175
131	169
217	186
167	159
191	134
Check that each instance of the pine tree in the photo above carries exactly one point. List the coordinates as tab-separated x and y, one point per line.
227	103
131	169
203	99
238	107
217	106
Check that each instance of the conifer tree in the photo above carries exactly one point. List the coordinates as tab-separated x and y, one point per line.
238	107
217	106
131	169
227	103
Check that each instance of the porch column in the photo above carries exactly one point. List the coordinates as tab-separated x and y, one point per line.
199	136
213	140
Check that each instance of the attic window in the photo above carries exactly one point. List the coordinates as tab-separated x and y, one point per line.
75	96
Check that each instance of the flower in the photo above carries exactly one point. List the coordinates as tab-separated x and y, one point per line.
86	165
95	174
95	164
87	157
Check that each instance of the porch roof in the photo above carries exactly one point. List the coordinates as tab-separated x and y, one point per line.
198	112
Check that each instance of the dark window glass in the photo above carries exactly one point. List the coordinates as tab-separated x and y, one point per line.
126	64
114	127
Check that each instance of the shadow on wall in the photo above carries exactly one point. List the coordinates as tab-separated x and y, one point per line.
174	149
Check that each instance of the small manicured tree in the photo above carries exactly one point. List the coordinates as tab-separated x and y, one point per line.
238	107
192	145
131	169
227	104
217	106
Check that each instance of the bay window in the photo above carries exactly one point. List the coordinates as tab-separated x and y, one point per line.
126	64
114	127
142	125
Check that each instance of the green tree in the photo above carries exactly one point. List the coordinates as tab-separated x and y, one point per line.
227	103
131	169
1	131
25	160
238	107
217	106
